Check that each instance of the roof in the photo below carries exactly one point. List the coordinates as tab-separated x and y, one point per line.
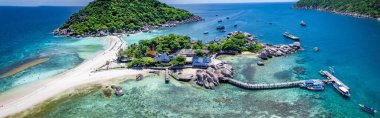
186	52
201	61
162	58
309	81
343	89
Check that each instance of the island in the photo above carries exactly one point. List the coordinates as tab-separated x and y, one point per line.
356	8
194	60
105	17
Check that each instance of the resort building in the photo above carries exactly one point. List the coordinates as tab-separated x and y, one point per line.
201	61
163	58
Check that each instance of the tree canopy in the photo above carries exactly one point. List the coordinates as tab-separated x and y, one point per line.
122	15
366	7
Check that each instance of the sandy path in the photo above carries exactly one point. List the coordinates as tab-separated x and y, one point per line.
22	98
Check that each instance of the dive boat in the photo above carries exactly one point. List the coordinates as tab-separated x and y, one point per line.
287	35
315	85
345	92
220	27
316	88
303	23
368	109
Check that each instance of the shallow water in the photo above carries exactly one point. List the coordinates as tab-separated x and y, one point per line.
25	36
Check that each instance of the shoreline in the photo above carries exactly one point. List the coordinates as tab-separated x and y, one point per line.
25	97
352	14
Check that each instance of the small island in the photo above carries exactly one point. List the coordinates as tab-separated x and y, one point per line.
194	60
174	50
356	8
106	17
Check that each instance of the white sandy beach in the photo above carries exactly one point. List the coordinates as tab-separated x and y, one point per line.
24	97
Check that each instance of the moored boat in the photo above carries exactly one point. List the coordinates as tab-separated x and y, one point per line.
316	88
315	85
345	92
205	32
220	27
303	23
287	35
368	109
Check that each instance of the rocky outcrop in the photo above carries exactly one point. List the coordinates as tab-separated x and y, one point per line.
214	75
278	50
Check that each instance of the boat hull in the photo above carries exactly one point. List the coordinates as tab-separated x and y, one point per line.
340	91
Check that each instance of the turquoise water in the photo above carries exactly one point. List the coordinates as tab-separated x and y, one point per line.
349	44
25	36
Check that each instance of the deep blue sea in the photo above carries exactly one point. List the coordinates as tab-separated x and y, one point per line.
348	44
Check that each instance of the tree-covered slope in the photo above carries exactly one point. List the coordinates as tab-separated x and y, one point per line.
120	16
364	7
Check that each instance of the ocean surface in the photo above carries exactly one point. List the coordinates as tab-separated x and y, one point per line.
25	36
348	44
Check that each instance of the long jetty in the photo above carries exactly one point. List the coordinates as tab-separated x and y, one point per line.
332	78
265	86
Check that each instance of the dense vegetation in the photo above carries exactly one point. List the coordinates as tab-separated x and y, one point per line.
144	52
120	15
366	7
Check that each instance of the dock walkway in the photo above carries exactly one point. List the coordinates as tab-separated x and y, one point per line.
265	86
332	78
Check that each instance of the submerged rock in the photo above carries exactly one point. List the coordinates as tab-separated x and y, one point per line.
286	74
299	70
107	92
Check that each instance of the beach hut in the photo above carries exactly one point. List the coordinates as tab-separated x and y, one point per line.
162	58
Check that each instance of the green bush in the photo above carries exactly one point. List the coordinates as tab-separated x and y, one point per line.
367	7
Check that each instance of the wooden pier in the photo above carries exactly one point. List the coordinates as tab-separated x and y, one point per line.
167	75
265	86
332	78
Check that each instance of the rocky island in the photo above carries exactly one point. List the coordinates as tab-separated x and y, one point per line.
105	17
356	8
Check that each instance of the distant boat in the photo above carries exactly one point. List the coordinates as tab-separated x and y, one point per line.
219	21
368	109
287	35
205	32
227	17
235	25
303	23
220	27
342	90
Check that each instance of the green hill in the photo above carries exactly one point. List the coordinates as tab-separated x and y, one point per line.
367	8
117	16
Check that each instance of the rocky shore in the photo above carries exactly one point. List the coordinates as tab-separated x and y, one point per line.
346	13
269	50
214	75
100	33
